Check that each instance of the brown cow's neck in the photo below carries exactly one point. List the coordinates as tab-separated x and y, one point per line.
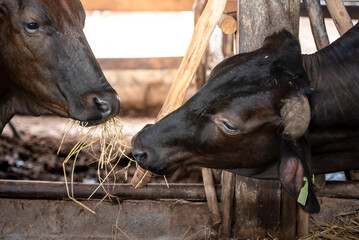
11	104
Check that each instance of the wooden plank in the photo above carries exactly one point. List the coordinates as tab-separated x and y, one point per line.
145	5
288	222
180	5
227	196
354	174
140	63
212	200
338	189
303	223
138	5
139	220
261	208
253	22
258	208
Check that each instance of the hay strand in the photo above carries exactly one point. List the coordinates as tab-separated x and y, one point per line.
343	226
112	148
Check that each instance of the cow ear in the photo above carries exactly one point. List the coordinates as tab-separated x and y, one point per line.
5	6
282	42
295	176
291	84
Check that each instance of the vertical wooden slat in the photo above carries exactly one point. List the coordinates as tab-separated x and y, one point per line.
227	196
253	24
303	223
260	205
258	208
340	15
317	23
288	220
211	196
292	8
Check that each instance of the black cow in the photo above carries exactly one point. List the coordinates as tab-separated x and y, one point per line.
47	66
252	117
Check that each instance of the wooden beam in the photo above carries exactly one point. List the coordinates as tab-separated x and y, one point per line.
140	63
179	5
340	15
212	200
146	5
138	5
337	189
56	190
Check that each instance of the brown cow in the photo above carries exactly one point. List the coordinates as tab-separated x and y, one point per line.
47	66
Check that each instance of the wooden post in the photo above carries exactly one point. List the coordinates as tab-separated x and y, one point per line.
211	196
317	23
228	24
340	15
260	206
303	223
227	196
201	35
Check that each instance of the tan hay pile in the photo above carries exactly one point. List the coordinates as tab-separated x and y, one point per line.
343	226
113	146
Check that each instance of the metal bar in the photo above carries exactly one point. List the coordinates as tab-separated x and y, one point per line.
57	190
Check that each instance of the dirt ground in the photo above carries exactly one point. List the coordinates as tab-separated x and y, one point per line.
35	157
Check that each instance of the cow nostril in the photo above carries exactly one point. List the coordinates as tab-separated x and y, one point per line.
139	156
102	105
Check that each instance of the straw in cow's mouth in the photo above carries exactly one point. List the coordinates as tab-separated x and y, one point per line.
113	147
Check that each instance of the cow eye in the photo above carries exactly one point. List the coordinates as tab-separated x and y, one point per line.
229	127
32	27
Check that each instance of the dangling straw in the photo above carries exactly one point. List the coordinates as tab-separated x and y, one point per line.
112	145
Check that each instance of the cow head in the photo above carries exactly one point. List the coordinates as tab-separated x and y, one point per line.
250	115
46	64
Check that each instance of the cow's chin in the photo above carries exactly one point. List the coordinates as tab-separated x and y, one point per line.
92	122
166	164
89	118
162	169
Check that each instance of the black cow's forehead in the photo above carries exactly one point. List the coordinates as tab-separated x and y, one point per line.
244	77
271	67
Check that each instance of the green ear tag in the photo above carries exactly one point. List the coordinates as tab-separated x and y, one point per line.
303	195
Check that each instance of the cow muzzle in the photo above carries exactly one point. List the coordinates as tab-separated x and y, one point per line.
138	152
148	156
95	108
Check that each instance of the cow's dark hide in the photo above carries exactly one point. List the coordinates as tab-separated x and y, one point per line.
252	117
